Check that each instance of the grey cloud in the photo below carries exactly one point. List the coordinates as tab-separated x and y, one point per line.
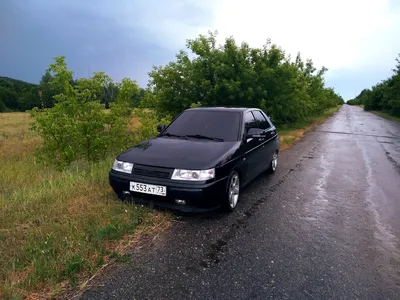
100	35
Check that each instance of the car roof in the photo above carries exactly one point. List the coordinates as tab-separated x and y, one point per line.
228	109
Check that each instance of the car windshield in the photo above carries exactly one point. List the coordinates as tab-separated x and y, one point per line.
218	125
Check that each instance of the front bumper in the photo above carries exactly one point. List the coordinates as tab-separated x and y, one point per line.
198	196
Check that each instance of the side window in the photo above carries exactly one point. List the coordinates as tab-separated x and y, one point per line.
268	119
249	121
261	120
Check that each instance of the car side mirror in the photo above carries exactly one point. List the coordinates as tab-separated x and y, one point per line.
255	133
160	127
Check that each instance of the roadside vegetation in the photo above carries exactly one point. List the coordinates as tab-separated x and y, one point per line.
386	115
59	219
58	226
290	135
383	97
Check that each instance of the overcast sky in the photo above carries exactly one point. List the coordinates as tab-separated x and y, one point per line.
357	40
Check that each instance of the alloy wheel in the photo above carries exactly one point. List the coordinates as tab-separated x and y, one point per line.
274	162
233	191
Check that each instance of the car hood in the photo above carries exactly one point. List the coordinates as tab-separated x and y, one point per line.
179	153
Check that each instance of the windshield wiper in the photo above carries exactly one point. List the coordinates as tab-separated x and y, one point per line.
175	135
200	136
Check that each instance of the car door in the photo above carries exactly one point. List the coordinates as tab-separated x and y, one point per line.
275	143
272	132
250	146
267	142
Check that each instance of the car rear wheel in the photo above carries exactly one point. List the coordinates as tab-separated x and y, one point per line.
274	163
232	192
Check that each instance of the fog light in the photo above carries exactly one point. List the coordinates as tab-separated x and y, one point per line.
179	201
126	196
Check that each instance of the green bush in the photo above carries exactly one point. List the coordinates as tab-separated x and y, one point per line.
384	96
78	126
149	120
238	75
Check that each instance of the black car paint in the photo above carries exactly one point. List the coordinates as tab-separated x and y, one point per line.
248	156
180	153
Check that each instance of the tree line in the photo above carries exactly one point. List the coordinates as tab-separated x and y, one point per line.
384	96
237	75
17	95
72	119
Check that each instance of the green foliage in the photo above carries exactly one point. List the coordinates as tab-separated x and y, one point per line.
3	107
9	98
47	90
78	127
129	91
233	75
148	120
74	265
109	94
194	105
384	96
17	94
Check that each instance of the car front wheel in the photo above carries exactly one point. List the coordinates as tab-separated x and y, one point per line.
232	192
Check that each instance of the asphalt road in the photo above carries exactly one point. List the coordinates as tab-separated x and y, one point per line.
326	225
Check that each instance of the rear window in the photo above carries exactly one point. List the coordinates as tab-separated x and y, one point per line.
219	124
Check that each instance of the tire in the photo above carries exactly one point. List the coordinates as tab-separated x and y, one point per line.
274	163
232	192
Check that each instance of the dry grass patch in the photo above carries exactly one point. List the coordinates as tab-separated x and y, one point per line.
16	140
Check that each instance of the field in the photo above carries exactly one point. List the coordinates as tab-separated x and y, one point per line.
56	225
59	228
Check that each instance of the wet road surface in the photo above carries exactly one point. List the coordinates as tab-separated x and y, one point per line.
326	225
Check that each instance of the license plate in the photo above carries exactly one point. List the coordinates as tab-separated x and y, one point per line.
148	188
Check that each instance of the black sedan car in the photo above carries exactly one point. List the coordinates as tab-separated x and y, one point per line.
200	161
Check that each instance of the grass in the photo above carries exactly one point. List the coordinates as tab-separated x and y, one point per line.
290	135
386	115
58	228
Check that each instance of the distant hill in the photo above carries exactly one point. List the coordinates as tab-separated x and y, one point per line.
17	95
15	84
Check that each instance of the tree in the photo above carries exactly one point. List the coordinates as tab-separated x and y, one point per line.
9	97
109	94
29	99
77	127
238	75
3	107
129	91
383	96
47	90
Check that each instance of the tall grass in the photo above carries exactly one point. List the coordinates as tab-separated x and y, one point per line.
386	115
56	227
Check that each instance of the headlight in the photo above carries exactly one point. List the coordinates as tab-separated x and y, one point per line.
122	166
195	175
